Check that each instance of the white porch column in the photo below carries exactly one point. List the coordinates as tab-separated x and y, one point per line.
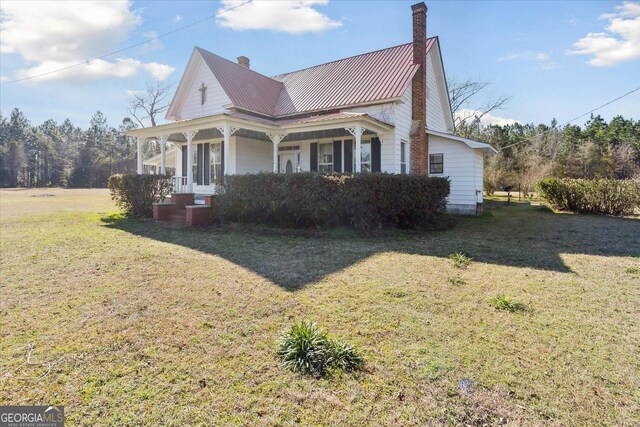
276	139
139	142
357	132
190	135
163	153
226	132
275	156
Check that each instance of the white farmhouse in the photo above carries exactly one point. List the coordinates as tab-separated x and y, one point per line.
382	111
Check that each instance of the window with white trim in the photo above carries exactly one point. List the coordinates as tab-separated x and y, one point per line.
365	156
215	163
436	163
194	167
403	156
325	157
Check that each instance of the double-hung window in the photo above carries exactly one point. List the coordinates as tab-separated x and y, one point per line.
194	167
436	163
325	157
365	156
403	156
215	159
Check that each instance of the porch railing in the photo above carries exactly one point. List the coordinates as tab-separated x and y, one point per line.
179	184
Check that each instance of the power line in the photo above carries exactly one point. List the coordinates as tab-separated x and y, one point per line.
603	105
115	52
578	117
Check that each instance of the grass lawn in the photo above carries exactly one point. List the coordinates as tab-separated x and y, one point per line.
131	323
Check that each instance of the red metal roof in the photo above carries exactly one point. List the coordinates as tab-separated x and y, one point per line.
365	78
247	89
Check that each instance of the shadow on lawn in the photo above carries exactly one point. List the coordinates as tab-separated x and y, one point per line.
516	235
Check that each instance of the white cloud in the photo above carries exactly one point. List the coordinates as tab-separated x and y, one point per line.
618	43
294	16
53	35
95	70
542	58
177	18
159	71
486	120
153	44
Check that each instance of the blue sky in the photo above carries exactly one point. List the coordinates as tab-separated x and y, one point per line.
555	59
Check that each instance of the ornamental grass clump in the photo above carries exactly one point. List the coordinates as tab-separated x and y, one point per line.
308	350
460	259
506	303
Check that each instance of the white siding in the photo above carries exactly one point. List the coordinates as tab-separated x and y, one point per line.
479	170
463	166
383	112
215	96
402	131
253	156
435	114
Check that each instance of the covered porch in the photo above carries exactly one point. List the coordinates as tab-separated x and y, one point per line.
210	148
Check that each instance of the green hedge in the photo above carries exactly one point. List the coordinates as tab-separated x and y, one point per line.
135	194
601	196
364	201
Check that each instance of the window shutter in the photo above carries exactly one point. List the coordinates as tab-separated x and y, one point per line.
184	160
348	156
314	157
337	156
200	164
375	155
207	164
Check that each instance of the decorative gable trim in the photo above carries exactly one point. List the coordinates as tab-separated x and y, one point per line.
195	62
443	88
187	101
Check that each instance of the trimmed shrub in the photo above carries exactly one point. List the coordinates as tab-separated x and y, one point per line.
600	196
308	350
136	194
384	200
364	201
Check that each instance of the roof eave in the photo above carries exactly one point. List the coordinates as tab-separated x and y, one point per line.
219	119
483	146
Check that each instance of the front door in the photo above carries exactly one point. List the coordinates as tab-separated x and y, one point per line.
289	162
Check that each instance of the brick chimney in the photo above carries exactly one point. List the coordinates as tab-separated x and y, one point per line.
419	141
244	61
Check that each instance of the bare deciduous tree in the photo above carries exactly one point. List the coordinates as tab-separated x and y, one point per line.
154	101
461	94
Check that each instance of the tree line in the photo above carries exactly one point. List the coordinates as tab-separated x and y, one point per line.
528	153
62	154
